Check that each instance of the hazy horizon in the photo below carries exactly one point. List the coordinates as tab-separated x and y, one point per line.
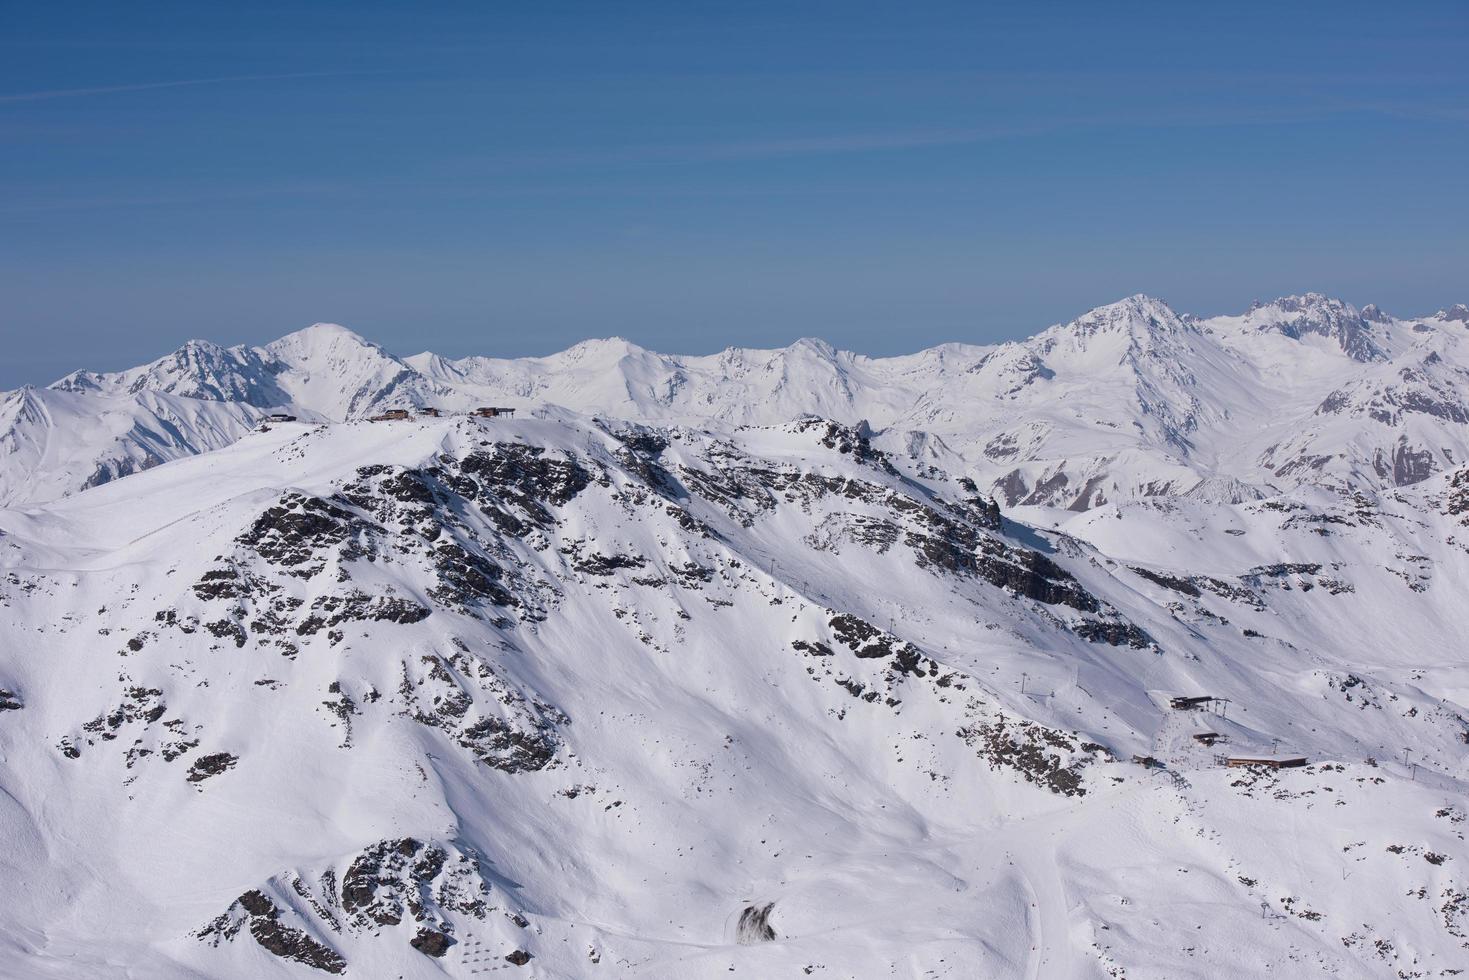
512	180
1020	334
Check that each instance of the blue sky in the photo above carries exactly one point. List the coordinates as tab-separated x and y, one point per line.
509	178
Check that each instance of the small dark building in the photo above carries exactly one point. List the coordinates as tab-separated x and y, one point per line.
1190	704
490	412
1147	762
432	412
1208	738
280	417
1265	763
391	415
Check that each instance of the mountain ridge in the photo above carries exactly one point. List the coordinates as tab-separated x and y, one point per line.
1129	399
588	696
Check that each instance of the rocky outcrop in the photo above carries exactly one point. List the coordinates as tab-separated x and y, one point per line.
258	913
754	926
390	884
208	766
497	724
1044	756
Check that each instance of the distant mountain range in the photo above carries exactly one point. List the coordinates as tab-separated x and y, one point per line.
1132	399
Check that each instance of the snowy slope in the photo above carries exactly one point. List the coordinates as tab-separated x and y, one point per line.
54	442
568	697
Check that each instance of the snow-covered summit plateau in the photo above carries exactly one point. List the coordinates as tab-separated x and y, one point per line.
1129	650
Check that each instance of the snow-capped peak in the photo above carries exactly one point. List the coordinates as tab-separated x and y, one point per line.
1137	315
1315	314
1140	397
601	348
318	338
813	345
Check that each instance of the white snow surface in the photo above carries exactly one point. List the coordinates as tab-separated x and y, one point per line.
685	672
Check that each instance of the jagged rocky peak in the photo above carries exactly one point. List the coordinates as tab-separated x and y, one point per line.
199	369
1373	313
1324	316
1136	315
1125	393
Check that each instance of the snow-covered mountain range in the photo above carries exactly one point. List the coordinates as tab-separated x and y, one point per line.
772	663
1130	400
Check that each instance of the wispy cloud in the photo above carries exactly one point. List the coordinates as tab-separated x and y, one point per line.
73	93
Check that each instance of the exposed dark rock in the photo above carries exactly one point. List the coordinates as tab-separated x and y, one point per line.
1320	315
1042	755
869	642
218	583
518	958
467	578
260	913
1408	464
499	744
211	765
1456	503
1182	585
600	565
526	477
1012	487
9	700
848	440
510	733
1048	489
141	706
396	879
295	532
228	628
1032	575
691	574
754	925
861	637
431	942
1117	634
359	607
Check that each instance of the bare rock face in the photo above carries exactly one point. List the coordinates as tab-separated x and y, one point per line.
494	721
259	914
394	880
754	925
211	765
391	884
1299	316
1043	756
431	943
